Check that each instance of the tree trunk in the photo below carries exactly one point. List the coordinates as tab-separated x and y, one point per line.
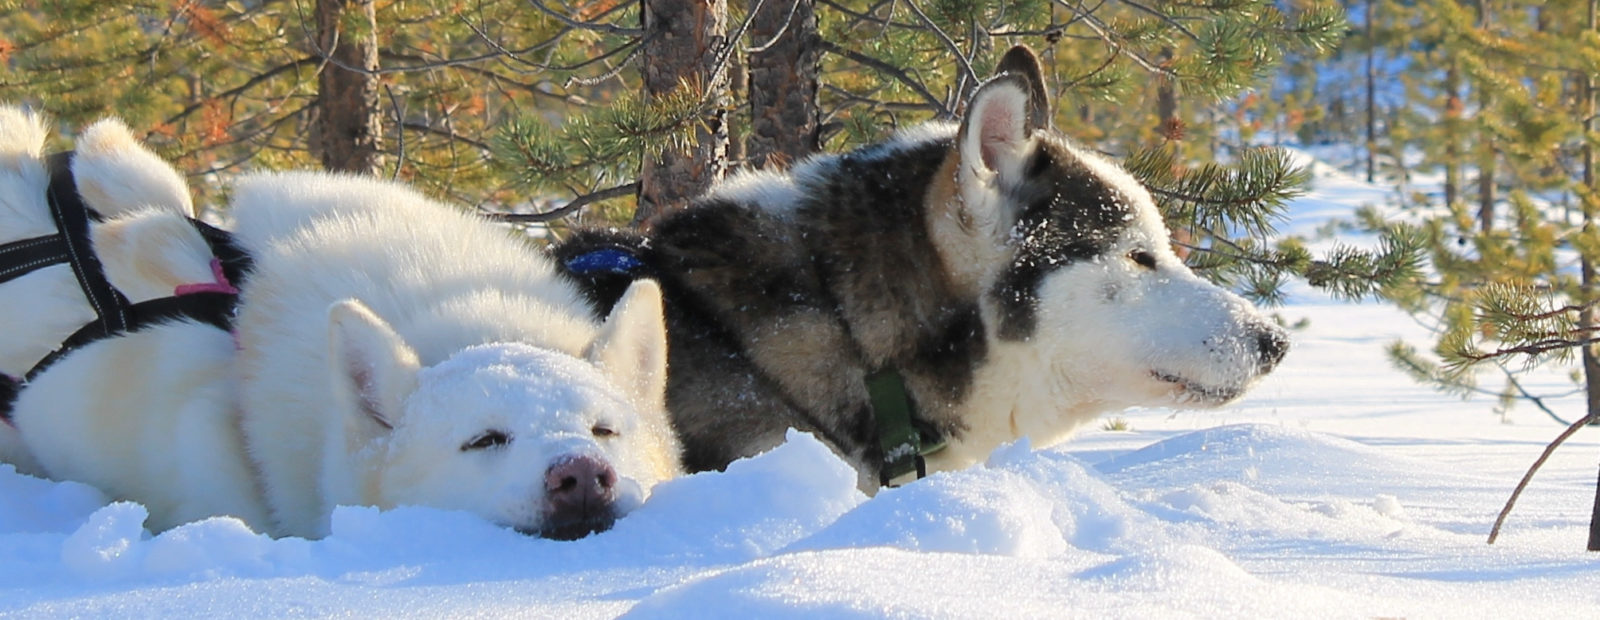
1591	366
1168	126
684	47
1452	127
1486	197
1486	154
1372	105
346	133
783	83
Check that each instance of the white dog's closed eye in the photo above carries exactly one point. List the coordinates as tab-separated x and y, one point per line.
488	439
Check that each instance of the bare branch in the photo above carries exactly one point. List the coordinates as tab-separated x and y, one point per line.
235	91
892	71
502	79
581	25
638	48
1526	395
794	6
1494	532
950	44
1532	348
1170	20
400	136
569	208
1105	33
452	136
501	51
885	22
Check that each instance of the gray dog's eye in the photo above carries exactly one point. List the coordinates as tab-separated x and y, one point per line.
1143	259
603	430
486	440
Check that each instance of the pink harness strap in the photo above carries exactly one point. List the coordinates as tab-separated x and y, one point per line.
218	285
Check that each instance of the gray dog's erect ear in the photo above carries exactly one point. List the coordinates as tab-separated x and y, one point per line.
993	141
1021	61
995	129
1002	115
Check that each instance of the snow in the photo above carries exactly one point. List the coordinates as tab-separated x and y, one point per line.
1337	488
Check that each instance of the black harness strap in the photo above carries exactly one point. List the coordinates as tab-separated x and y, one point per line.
19	258
72	217
214	308
236	264
113	314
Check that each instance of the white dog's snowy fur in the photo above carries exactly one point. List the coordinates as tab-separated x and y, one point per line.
390	351
116	175
366	382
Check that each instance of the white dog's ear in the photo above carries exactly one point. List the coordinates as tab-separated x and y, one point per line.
150	253
116	174
632	346
373	369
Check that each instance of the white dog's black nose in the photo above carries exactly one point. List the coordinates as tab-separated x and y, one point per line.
580	498
1271	345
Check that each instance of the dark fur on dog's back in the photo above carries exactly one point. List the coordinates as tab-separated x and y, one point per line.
782	316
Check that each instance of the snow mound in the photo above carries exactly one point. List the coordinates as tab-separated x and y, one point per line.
1269	457
988	511
31	505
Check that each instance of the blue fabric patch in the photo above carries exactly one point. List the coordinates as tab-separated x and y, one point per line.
611	260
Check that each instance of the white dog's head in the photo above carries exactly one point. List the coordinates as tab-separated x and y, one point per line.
1083	292
536	439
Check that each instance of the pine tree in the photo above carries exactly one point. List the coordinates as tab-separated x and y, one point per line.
1515	289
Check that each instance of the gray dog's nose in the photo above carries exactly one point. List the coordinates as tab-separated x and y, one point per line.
580	497
1271	344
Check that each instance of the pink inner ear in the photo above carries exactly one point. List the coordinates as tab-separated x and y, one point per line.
367	392
1000	128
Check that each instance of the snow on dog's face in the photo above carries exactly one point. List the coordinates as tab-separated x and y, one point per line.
535	439
1086	292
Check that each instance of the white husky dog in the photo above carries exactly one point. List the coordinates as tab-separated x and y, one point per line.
397	351
390	351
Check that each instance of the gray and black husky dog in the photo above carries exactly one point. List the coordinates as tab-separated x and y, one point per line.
996	278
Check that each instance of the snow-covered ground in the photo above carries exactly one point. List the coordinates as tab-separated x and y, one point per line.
1338	488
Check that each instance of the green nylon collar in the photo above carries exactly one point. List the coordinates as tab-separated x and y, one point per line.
904	445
